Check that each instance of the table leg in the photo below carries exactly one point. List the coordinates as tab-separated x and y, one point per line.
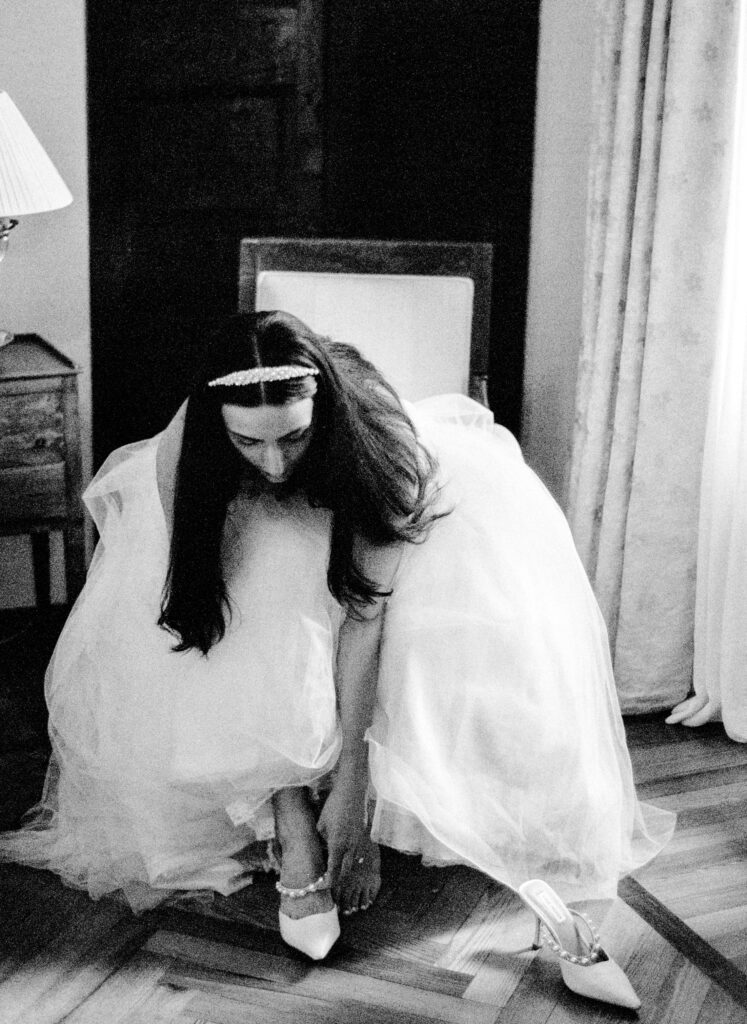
40	556
75	560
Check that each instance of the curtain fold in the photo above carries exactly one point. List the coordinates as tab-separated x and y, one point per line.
656	221
720	669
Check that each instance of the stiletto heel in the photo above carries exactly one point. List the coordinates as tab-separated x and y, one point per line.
314	934
584	965
537	941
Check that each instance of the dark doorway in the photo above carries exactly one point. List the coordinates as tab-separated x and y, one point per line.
215	119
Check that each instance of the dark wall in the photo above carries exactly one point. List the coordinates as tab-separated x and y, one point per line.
195	109
214	119
429	135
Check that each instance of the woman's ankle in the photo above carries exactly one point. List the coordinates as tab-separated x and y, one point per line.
302	860
294	817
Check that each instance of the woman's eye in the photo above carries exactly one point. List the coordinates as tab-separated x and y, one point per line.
252	442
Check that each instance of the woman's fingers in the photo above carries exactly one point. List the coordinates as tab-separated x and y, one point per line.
336	859
340	863
344	870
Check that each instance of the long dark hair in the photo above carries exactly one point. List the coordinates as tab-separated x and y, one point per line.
364	463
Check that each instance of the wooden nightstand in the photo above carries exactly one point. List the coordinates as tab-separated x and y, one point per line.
40	462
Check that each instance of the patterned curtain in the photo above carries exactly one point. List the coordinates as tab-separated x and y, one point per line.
720	671
655	233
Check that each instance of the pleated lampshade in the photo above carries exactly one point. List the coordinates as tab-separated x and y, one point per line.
29	181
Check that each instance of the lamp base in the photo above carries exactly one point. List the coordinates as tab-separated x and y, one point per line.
6	226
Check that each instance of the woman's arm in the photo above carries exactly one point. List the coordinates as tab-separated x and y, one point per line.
342	822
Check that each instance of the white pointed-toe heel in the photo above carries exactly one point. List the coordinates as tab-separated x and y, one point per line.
314	934
584	965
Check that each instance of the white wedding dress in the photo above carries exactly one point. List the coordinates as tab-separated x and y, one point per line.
496	740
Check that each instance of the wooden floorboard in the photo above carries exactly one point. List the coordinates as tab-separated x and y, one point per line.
95	963
47	979
218	969
700	879
440	945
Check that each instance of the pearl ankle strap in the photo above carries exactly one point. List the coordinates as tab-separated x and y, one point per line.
296	894
594	952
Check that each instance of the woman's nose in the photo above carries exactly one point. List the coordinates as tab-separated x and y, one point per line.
273	461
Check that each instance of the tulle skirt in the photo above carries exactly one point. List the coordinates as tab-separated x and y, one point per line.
496	741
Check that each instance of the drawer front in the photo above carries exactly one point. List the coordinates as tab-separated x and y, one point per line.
31	429
32	492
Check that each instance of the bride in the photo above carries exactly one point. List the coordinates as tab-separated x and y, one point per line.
319	617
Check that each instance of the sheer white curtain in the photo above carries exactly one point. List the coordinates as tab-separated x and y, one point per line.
664	85
720	670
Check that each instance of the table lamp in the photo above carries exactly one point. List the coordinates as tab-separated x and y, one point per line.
29	181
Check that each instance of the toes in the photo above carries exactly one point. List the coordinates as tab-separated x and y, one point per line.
349	899
359	883
358	898
368	898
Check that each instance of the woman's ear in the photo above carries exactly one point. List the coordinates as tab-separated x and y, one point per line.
167	459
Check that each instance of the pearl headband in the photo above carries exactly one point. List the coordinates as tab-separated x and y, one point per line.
261	375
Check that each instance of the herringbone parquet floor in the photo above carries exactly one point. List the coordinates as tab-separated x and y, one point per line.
439	945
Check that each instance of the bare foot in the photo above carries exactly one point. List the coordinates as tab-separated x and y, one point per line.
301	854
359	886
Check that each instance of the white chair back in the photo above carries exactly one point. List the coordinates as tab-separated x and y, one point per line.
415	329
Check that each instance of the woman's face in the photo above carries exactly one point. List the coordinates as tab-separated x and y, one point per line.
271	438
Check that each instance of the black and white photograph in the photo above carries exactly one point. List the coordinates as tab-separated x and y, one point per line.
373	511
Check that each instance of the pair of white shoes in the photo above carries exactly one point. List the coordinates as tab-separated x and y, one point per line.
584	965
314	934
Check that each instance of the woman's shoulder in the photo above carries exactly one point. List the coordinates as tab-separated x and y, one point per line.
136	470
456	410
123	467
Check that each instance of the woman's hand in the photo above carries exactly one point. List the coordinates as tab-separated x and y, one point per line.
342	825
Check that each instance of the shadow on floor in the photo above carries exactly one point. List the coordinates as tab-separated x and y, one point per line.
27	639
